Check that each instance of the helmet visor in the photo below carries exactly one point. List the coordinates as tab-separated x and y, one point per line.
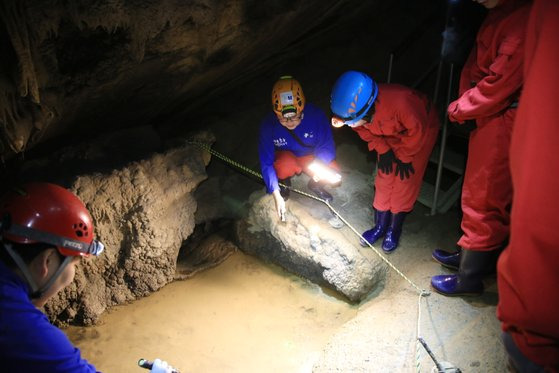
66	246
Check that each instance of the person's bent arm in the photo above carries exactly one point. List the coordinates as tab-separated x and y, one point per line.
496	91
280	204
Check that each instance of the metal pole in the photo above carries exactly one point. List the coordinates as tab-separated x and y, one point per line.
443	145
390	62
438	81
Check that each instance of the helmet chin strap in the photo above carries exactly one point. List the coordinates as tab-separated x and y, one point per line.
36	292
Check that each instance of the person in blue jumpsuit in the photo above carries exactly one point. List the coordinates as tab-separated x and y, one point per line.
44	231
292	136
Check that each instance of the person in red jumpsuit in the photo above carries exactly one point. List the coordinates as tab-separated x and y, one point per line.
490	85
401	125
528	269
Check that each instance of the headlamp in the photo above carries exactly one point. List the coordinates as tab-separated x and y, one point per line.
322	172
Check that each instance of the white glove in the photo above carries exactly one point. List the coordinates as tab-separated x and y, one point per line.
160	366
280	204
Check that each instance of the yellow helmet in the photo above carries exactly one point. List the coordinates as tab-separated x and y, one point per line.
288	99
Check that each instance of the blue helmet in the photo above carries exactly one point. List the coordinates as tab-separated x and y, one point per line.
352	96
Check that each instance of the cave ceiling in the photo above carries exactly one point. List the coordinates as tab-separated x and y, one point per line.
74	69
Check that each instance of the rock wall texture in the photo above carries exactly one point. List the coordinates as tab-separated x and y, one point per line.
309	247
143	213
77	65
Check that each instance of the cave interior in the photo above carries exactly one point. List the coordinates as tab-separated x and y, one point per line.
88	88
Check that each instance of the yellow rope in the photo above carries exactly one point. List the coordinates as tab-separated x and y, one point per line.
422	292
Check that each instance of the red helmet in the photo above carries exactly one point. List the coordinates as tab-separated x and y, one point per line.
48	213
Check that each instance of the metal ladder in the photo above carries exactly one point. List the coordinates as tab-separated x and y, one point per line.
440	201
431	195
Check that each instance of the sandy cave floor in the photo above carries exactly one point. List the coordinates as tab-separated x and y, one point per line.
381	337
249	316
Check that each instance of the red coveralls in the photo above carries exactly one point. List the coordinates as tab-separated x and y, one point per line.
490	82
528	270
405	122
288	164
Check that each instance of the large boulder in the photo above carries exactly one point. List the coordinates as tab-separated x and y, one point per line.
308	245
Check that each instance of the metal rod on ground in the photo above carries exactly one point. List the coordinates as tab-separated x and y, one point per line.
437	364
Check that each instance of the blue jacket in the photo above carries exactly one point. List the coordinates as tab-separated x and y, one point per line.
28	341
314	130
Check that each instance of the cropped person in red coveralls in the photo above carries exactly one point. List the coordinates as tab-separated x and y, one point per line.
401	125
490	85
528	269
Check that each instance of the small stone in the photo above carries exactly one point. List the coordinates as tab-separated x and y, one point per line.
335	222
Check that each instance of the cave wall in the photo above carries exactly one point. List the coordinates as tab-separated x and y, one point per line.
143	212
71	67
